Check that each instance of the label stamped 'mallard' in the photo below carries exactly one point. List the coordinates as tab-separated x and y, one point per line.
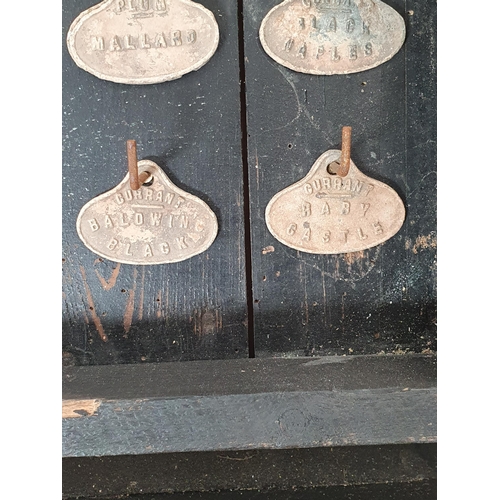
143	41
324	213
327	37
157	224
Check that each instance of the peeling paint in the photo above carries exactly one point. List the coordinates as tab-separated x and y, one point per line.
421	243
93	313
108	285
77	408
129	309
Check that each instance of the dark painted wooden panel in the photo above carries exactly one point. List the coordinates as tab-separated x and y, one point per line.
249	376
358	472
249	404
379	300
194	309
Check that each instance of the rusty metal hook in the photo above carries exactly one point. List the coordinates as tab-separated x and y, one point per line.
345	156
136	179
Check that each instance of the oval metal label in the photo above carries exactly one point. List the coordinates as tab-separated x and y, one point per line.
143	41
327	214
157	224
327	37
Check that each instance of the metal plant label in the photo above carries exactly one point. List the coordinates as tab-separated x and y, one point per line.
158	223
143	41
327	37
325	213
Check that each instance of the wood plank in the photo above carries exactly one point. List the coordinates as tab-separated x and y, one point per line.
361	472
248	376
253	421
330	409
379	300
195	309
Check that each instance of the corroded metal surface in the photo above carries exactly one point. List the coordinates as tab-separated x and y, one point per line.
158	223
326	37
327	214
143	41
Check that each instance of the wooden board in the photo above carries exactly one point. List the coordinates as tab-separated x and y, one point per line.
359	472
195	309
249	424
379	300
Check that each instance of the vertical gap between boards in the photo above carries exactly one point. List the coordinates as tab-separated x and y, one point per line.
246	187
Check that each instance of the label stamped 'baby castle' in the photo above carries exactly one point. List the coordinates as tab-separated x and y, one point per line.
325	213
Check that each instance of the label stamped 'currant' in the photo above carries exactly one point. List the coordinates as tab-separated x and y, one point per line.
324	213
327	37
143	41
158	223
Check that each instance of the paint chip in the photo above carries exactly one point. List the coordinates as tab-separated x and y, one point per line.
76	408
268	249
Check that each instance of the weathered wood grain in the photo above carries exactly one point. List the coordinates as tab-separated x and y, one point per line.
379	300
195	309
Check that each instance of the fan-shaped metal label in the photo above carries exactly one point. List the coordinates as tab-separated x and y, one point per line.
327	37
327	214
157	224
143	41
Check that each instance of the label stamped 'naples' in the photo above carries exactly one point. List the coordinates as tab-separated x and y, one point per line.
327	37
143	41
158	223
325	213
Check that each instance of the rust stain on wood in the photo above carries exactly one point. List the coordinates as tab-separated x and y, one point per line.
93	314
108	285
353	257
76	408
129	308
207	322
141	299
423	242
158	303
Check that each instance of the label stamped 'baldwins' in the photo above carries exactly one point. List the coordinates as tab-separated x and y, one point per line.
143	41
158	223
327	214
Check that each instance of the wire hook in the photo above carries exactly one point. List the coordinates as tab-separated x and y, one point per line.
345	156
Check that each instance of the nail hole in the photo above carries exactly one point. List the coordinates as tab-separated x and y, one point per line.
290	146
256	301
123	290
264	278
149	180
333	167
363	83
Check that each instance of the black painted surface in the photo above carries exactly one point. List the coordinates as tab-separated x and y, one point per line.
253	421
360	472
250	404
194	309
249	376
382	299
